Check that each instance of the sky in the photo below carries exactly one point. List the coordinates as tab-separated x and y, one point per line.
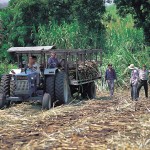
3	3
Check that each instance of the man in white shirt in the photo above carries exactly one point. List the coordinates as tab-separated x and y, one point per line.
143	80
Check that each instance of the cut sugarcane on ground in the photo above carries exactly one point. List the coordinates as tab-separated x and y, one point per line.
90	124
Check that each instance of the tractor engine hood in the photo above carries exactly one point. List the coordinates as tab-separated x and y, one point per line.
26	84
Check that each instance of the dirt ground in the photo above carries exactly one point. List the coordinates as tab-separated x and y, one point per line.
103	123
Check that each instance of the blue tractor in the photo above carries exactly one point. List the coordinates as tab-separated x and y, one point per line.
24	85
75	75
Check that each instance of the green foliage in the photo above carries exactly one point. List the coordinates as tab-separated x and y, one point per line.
6	67
121	33
60	10
90	13
69	36
23	19
124	45
140	10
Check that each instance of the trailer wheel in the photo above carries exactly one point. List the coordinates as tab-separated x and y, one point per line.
62	89
4	90
46	102
50	87
84	91
91	90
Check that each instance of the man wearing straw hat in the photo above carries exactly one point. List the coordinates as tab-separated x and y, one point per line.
134	81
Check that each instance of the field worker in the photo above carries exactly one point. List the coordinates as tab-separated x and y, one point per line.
143	80
134	81
110	76
53	61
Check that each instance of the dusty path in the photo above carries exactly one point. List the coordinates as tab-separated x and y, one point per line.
93	124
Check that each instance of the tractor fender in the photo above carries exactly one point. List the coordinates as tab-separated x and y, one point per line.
50	71
16	71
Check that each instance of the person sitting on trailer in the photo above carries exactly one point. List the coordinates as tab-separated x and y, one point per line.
53	61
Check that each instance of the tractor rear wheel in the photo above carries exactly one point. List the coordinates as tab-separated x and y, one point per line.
62	89
46	102
4	90
50	87
2	101
12	88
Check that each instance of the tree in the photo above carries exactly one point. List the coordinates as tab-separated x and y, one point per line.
1	29
22	18
140	10
90	13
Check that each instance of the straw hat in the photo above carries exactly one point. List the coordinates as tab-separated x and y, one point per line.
131	66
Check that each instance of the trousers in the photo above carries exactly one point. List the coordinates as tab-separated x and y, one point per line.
111	87
134	94
145	85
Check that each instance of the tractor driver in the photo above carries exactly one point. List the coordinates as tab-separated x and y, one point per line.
53	61
32	64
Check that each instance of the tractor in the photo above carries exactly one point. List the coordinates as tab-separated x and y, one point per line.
76	73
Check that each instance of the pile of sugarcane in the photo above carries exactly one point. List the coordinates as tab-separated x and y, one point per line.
88	70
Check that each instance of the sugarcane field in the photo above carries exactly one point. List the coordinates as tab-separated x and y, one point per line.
90	124
74	75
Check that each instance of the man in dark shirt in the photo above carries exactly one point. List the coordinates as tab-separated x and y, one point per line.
53	61
110	76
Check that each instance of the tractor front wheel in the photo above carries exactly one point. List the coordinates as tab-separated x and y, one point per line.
46	102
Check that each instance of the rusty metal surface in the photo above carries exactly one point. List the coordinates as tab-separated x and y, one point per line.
34	49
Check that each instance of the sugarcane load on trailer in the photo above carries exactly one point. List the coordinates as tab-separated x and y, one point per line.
75	72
